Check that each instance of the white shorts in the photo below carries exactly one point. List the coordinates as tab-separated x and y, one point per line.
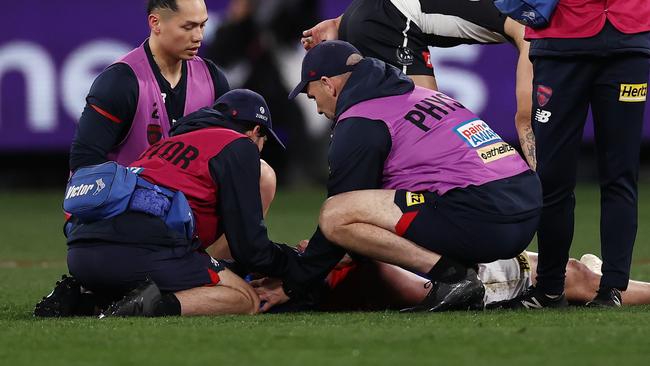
505	279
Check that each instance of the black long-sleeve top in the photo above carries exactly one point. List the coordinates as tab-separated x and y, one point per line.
115	92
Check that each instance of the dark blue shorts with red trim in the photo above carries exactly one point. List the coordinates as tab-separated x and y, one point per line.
111	267
476	224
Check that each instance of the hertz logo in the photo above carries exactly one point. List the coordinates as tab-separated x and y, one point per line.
495	152
633	92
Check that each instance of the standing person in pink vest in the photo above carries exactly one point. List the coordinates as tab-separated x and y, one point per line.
594	53
134	102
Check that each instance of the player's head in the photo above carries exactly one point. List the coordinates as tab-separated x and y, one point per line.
325	70
177	26
249	111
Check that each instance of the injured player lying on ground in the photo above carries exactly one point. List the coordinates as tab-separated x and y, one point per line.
370	285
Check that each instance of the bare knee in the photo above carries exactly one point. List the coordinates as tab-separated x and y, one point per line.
332	216
252	301
581	282
579	271
268	183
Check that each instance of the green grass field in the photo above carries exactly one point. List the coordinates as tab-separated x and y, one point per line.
32	257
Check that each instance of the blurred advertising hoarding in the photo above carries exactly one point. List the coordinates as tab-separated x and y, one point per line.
50	52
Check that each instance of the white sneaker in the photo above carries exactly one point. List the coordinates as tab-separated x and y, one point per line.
592	262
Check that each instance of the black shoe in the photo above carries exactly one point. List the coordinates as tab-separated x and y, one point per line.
62	301
606	297
141	301
531	299
466	294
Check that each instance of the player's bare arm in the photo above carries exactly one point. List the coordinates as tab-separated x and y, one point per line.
523	90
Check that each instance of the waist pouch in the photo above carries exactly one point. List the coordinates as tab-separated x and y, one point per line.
532	13
106	190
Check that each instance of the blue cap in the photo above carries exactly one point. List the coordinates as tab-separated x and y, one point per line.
329	58
244	105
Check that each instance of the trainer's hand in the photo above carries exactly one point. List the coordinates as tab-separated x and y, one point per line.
302	246
270	292
326	30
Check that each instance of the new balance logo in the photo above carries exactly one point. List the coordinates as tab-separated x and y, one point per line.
542	116
531	305
80	190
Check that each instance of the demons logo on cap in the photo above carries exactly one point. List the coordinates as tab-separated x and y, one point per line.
312	73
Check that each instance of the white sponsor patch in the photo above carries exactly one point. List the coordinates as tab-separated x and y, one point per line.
80	190
495	152
477	133
261	116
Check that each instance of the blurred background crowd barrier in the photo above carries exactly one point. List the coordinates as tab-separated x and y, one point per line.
51	51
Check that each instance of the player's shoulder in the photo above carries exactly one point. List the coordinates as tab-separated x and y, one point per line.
212	67
353	132
118	76
221	85
115	88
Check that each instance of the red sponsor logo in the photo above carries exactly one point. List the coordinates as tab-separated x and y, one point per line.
544	94
427	59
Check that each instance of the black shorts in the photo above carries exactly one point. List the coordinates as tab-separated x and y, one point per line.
113	268
378	29
476	224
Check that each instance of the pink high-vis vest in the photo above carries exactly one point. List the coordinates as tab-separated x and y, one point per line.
437	144
151	123
585	18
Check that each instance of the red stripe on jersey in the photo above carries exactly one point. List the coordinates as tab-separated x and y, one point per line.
337	275
106	114
404	222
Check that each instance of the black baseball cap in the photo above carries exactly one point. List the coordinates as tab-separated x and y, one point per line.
244	105
328	58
